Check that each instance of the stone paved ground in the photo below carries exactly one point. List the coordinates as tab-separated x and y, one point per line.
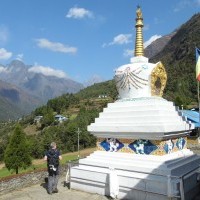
38	192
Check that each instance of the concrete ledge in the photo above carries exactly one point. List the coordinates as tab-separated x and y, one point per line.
19	181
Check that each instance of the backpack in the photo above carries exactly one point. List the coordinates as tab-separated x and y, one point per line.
53	160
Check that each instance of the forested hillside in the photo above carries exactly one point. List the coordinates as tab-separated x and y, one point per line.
80	109
105	88
178	57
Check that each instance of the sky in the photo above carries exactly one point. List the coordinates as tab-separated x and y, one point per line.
80	39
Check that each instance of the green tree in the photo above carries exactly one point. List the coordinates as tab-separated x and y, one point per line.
178	101
3	144
36	146
17	153
48	117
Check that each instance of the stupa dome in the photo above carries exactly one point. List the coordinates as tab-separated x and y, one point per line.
140	78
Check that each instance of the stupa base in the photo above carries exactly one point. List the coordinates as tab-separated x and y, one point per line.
133	176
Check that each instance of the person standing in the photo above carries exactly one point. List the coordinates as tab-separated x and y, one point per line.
52	156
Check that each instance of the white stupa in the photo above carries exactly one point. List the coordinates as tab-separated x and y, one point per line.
141	139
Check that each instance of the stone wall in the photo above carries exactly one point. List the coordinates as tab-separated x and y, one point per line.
18	181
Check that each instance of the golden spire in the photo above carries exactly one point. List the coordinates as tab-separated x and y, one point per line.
139	48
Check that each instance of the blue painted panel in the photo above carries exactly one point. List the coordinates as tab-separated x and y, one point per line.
112	144
142	147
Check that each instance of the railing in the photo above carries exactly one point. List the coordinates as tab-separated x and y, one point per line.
69	165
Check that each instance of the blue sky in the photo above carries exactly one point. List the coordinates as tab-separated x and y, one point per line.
83	38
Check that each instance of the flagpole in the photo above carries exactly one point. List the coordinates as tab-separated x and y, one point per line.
198	104
197	51
198	98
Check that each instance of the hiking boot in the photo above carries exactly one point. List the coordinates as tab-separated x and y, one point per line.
55	190
49	192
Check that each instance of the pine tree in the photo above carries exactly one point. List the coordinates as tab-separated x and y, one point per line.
17	154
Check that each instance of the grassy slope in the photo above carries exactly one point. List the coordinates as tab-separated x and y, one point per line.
40	163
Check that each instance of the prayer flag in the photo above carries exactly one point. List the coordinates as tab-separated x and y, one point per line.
197	64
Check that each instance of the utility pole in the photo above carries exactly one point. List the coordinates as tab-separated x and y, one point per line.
78	132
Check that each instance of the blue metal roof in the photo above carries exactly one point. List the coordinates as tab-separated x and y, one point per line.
192	116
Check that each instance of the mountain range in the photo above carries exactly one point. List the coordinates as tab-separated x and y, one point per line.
23	90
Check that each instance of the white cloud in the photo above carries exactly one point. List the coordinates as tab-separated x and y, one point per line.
122	39
156	20
4	34
104	45
182	5
3	69
20	56
146	27
47	71
4	54
55	46
79	13
119	40
151	39
128	53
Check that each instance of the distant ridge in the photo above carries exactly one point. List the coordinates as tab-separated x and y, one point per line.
94	79
156	46
14	102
